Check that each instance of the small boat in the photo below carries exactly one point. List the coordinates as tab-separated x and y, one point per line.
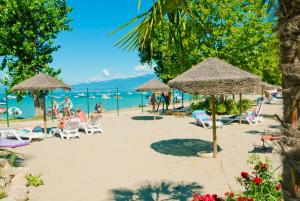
2	110
105	96
118	97
11	97
129	93
81	95
14	111
56	97
76	96
92	97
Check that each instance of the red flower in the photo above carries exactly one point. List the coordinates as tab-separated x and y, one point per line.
245	175
278	187
226	194
257	180
250	199
242	199
264	166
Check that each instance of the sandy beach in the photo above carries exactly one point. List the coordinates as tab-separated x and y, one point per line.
111	165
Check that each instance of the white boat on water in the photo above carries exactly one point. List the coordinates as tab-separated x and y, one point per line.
92	97
56	97
14	111
81	95
105	96
11	97
76	96
129	93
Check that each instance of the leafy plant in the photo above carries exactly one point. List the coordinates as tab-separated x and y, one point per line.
13	158
3	194
34	180
260	184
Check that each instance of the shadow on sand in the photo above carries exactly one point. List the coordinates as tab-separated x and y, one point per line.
157	191
146	118
183	147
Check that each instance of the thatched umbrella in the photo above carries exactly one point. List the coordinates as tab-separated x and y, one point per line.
41	82
215	77
154	86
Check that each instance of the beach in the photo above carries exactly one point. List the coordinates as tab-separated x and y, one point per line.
120	161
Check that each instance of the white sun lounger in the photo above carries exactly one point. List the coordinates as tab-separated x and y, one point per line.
70	130
26	133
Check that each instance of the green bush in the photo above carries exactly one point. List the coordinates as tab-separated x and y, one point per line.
2	195
228	107
34	180
13	158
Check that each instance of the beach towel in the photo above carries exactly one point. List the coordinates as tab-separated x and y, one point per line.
13	143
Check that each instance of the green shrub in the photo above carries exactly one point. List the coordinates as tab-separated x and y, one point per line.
34	180
228	107
13	158
2	195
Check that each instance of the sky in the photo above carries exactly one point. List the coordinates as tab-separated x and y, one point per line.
87	53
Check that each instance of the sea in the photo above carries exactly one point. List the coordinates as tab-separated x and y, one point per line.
83	100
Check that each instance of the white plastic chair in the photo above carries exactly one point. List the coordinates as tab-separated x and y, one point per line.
93	125
70	130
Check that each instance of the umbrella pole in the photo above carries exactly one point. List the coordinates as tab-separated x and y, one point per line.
118	102
182	99
173	99
6	103
52	105
215	145
45	119
142	102
154	106
240	108
88	101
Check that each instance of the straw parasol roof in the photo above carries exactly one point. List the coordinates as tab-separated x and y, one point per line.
153	85
40	81
214	76
267	86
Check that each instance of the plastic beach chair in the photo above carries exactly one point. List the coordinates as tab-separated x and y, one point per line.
70	130
204	120
94	125
252	118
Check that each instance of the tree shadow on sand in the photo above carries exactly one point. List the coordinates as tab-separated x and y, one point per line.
156	192
183	147
146	118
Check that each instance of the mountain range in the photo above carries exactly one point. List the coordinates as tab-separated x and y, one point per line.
122	84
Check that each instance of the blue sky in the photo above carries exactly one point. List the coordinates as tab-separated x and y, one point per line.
87	53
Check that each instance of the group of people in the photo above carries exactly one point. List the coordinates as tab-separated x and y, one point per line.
165	99
67	107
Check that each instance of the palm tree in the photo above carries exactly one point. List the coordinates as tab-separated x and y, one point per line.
288	28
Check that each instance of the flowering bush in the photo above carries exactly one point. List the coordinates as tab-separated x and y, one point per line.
258	185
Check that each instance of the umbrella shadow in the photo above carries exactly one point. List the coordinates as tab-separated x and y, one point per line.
261	150
164	190
254	132
183	147
146	118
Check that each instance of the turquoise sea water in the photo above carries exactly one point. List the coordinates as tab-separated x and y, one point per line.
127	100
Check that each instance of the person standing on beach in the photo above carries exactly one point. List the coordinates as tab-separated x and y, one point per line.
67	105
55	109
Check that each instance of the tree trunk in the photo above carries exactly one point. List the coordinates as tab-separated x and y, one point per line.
38	104
289	34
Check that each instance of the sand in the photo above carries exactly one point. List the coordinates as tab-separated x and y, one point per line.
91	167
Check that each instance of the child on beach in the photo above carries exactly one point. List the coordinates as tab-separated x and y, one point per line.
67	106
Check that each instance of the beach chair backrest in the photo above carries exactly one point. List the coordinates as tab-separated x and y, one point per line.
95	120
259	109
200	114
71	125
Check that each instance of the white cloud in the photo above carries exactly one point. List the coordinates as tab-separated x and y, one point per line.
105	73
143	68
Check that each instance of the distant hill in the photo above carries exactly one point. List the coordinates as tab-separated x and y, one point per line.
122	84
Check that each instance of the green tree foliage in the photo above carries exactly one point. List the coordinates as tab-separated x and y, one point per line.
232	30
27	32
